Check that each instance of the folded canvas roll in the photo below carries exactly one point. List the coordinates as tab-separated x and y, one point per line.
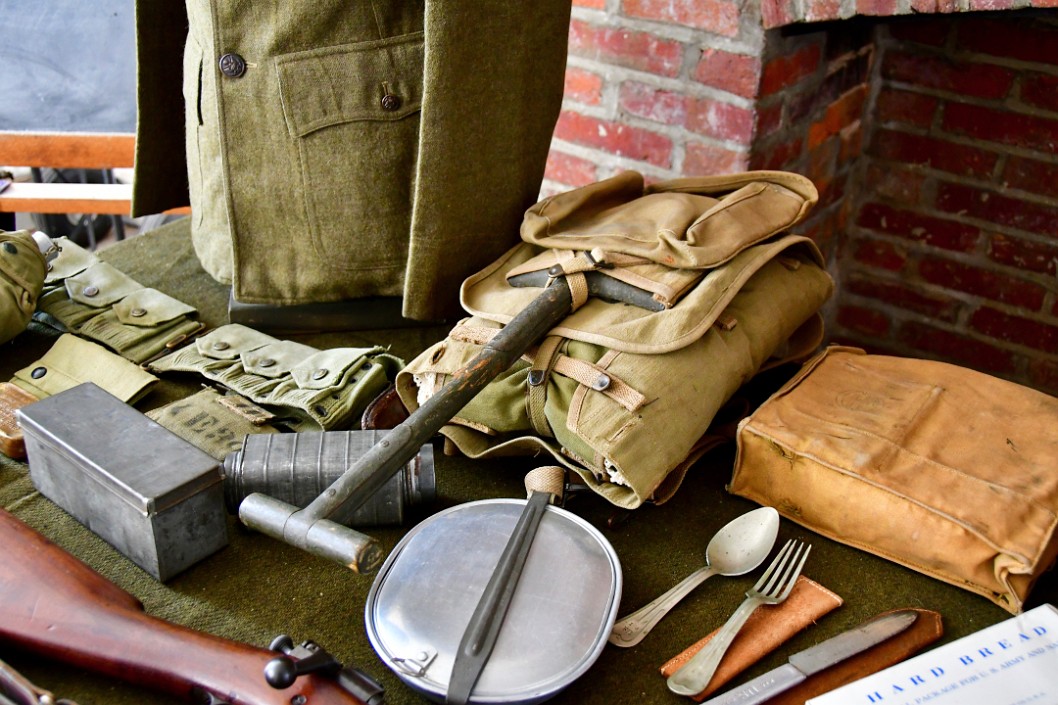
942	469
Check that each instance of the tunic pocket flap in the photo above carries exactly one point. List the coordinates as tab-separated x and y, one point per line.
377	80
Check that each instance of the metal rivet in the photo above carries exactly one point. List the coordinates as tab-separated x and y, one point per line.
319	374
390	102
232	65
10	248
38	372
138	312
601	382
267	362
90	290
221	345
555	270
536	378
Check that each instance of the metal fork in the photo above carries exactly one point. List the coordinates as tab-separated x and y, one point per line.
772	588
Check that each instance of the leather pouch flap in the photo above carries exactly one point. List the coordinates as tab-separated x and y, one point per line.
100	285
230	341
329	368
379	80
150	307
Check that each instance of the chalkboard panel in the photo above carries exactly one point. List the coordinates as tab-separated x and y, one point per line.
67	66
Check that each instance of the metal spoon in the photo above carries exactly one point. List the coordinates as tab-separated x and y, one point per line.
739	547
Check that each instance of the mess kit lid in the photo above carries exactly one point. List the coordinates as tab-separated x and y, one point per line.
117	447
559	618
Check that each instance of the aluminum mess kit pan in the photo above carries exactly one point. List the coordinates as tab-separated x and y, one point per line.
559	618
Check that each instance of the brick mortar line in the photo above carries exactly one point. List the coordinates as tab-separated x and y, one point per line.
977	260
750	32
622	74
950	51
611	160
958	327
1007	102
991	186
676	133
1000	148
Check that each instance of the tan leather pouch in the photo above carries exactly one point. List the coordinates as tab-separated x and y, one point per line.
942	469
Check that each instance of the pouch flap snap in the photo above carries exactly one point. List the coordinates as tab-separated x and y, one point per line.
150	307
378	80
230	341
328	368
72	259
275	360
100	285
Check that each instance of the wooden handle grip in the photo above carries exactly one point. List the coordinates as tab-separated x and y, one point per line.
57	606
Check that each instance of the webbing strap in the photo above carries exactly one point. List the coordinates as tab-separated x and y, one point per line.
536	390
600	380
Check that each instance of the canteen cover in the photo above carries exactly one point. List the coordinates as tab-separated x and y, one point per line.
559	619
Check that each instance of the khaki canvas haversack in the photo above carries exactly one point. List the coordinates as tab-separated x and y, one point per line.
618	393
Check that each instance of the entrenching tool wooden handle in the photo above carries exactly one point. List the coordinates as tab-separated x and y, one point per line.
318	527
55	605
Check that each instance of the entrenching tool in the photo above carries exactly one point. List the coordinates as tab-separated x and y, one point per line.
318	528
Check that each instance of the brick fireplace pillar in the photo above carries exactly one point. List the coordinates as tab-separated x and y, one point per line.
933	140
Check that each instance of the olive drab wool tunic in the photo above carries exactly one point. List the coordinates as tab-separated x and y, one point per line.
337	150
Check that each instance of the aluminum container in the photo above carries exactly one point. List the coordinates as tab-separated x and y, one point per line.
296	468
556	627
147	492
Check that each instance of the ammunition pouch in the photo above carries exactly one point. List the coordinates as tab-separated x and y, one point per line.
308	389
93	299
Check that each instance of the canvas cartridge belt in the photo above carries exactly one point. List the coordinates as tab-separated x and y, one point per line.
90	298
307	388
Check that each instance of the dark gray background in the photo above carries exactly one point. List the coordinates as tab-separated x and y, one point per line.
67	65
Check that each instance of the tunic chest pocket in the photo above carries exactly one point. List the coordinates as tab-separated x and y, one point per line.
354	112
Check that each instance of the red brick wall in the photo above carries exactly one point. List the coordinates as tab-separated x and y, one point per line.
662	87
932	142
952	248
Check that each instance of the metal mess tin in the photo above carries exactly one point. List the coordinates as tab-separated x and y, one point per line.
558	622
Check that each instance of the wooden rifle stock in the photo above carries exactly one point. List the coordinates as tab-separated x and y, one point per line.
55	605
